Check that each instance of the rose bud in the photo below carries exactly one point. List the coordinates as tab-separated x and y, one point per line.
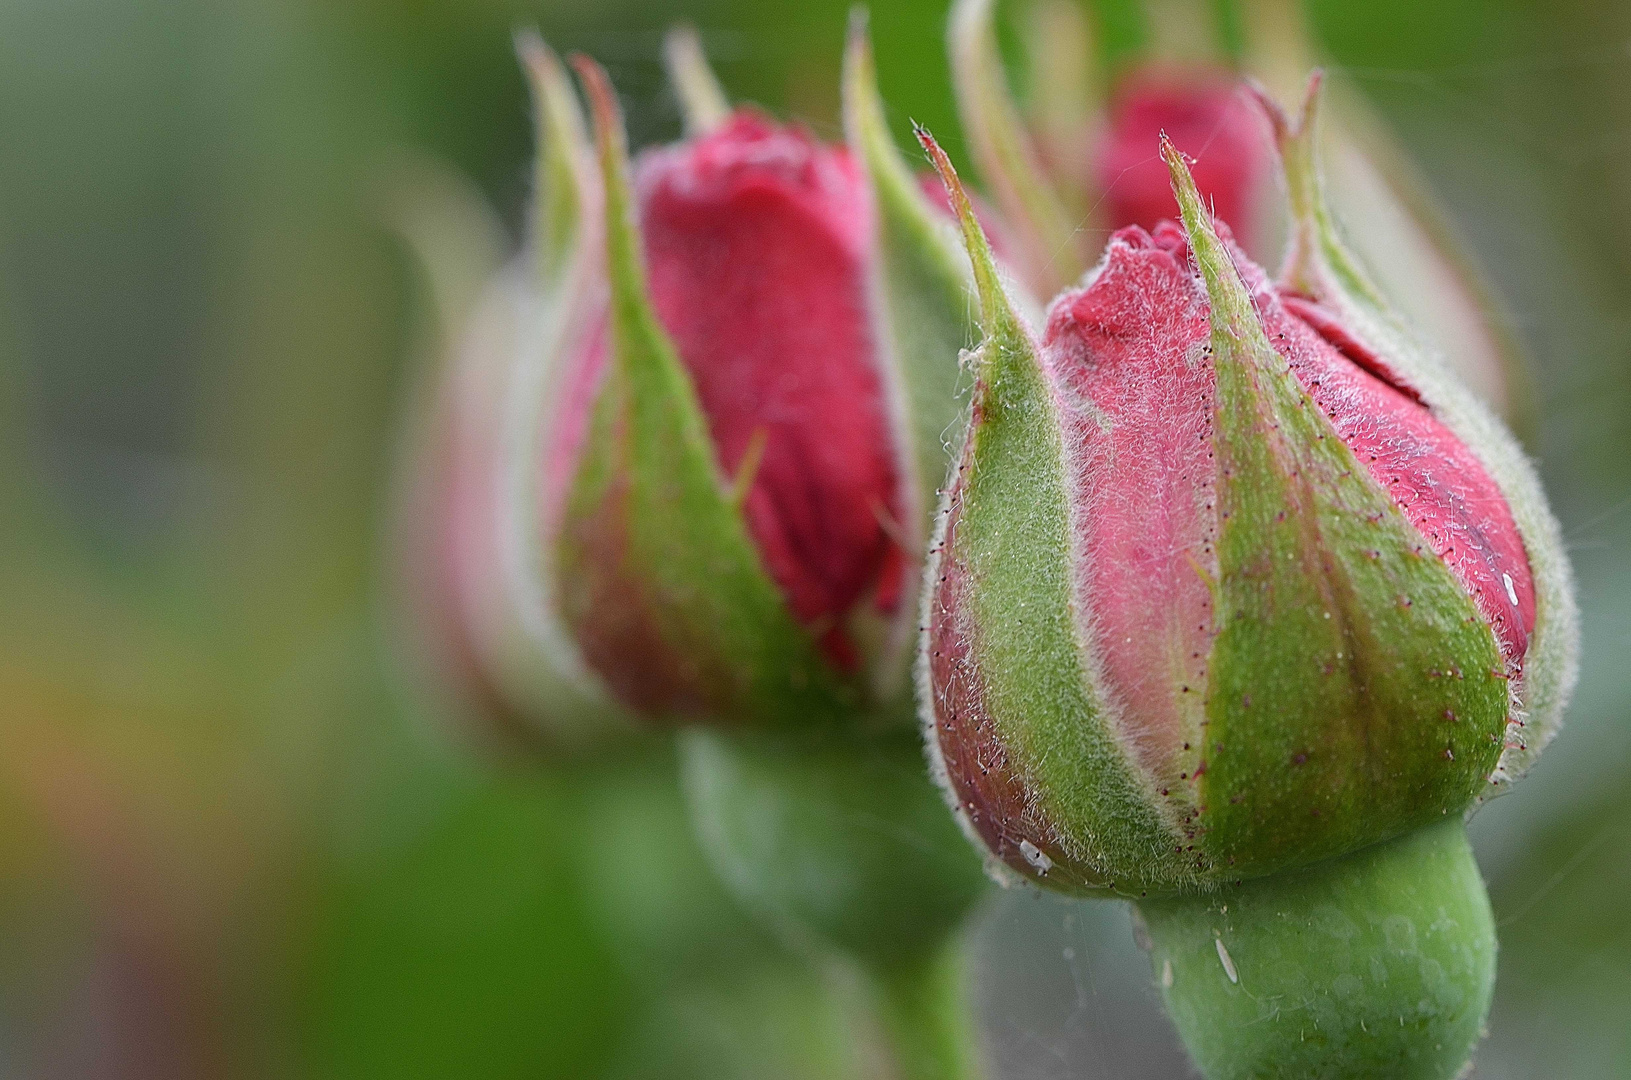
1076	162
482	623
737	491
1231	577
1239	602
741	539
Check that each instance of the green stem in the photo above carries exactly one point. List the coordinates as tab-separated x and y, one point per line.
925	1011
1375	966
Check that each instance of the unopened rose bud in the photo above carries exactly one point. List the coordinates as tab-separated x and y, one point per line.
734	510
1240	601
484	619
1232	578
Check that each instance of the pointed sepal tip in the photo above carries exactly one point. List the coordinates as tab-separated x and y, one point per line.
704	105
994	307
565	190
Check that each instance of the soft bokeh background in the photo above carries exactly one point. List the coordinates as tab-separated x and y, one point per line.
234	841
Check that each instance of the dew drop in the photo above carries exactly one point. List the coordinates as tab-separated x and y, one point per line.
1035	856
1228	964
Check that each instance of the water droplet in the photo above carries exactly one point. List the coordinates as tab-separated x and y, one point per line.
1228	964
1035	856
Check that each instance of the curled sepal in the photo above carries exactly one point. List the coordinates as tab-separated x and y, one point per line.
1405	237
703	102
1378	964
566	191
653	553
1001	674
1043	223
1322	266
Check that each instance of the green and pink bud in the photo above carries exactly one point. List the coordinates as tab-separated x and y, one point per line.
1240	601
742	514
1232	578
484	623
738	487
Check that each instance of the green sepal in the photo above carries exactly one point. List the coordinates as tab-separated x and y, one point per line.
1013	533
1044	222
922	281
1354	690
1378	964
564	184
703	102
1321	265
922	312
1065	98
651	519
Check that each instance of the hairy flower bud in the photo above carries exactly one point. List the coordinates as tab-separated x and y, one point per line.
1232	577
734	495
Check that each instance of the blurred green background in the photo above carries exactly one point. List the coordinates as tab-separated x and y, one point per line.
234	841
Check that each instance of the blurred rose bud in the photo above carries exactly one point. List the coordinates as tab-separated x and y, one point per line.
738	483
1233	577
482	620
682	459
1207	117
1080	161
738	527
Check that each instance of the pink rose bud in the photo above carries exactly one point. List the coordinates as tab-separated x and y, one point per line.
735	492
1233	577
